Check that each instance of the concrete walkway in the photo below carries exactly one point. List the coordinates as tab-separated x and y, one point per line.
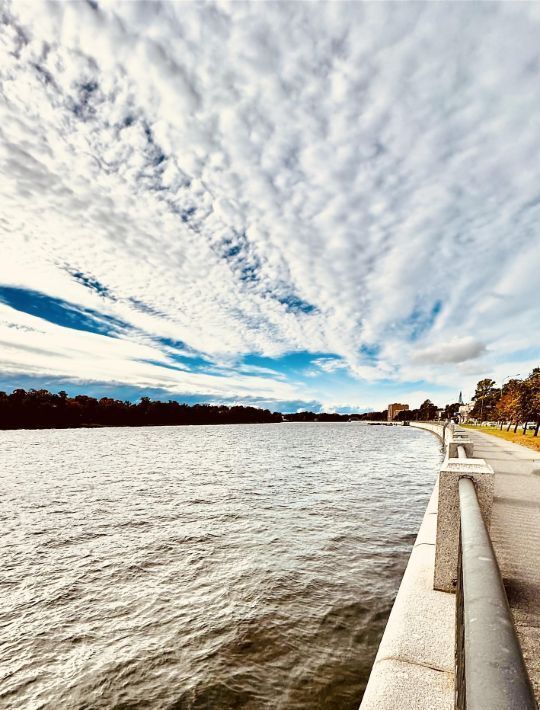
515	532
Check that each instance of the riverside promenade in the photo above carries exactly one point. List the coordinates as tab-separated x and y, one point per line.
515	533
415	664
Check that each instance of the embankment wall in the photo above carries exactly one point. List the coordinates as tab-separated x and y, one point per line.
414	666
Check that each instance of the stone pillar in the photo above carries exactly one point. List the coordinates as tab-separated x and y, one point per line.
448	432
447	541
467	445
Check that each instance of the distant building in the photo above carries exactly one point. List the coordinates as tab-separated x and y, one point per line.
464	411
460	400
394	409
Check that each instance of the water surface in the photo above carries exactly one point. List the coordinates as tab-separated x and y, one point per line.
203	567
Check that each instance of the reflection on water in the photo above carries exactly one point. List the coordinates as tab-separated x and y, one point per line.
203	567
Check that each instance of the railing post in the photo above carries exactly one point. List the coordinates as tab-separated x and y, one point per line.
456	443
447	543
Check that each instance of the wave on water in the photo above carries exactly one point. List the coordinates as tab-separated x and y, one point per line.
203	567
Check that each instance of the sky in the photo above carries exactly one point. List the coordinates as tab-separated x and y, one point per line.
293	205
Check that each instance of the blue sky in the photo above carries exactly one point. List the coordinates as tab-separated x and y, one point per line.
324	205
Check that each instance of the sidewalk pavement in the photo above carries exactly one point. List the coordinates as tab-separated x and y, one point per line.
515	532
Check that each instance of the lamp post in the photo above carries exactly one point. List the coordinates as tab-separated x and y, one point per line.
482	409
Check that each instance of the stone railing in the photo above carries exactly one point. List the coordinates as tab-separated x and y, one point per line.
415	666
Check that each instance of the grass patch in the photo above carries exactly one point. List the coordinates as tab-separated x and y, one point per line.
528	440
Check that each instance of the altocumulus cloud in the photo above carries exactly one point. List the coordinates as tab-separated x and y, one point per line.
355	182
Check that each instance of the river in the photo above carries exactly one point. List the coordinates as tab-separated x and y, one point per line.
248	566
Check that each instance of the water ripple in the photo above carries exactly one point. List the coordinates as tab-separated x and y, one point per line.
203	567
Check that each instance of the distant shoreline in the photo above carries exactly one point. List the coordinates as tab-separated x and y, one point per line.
41	409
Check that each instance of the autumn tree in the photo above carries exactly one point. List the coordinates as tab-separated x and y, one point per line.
509	404
530	399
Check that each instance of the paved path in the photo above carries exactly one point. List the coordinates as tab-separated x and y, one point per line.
515	532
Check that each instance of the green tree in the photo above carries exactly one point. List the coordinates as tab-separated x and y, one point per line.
404	415
451	411
428	411
485	400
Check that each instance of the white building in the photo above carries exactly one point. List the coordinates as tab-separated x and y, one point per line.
464	411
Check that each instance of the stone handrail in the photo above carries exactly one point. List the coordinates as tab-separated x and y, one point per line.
415	663
414	666
490	670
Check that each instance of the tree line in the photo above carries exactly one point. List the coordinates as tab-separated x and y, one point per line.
515	403
316	417
426	412
334	417
40	409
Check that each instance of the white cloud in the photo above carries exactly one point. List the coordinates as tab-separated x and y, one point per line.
247	178
329	364
456	350
36	347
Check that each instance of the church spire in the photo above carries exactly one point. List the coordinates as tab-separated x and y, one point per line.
460	400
